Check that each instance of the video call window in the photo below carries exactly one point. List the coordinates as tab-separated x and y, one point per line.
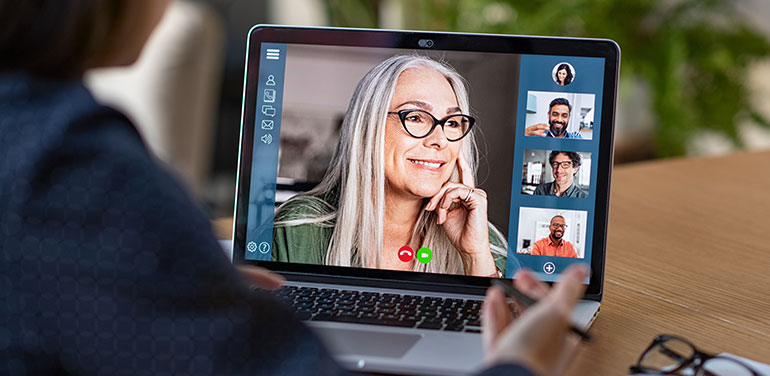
559	173
560	115
355	132
432	141
552	232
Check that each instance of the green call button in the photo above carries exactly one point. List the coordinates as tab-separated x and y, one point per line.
424	255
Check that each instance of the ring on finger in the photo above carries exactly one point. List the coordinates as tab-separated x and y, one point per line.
468	197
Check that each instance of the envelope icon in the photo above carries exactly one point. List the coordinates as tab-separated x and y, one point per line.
267	124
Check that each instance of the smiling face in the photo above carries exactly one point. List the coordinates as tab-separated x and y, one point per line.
563	175
418	167
558	224
558	119
561	75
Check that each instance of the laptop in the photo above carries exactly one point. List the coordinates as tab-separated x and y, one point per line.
390	176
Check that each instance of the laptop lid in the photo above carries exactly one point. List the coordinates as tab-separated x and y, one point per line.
494	152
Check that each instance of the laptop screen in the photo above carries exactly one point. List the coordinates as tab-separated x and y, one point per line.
422	160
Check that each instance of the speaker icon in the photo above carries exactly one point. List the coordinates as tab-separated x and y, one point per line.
267	139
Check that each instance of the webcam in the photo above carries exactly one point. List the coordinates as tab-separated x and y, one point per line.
425	43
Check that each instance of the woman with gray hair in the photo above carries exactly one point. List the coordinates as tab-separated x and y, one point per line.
403	174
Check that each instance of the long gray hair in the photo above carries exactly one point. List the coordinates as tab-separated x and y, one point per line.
351	196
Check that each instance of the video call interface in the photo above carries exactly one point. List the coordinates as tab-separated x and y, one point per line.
444	162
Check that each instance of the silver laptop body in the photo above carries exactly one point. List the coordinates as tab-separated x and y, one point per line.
297	87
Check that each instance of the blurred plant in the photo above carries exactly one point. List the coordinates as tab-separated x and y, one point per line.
694	54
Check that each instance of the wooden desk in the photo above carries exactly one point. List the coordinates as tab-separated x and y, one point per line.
689	254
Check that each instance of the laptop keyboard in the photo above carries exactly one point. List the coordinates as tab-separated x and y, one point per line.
406	311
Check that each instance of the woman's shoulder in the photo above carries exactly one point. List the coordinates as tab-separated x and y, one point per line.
53	105
46	117
47	123
302	230
499	247
304	207
496	237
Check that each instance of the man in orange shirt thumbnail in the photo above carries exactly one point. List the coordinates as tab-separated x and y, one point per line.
554	245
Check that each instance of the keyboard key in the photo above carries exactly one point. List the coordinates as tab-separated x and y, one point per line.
347	314
474	322
431	325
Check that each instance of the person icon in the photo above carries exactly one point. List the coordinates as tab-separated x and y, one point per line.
270	80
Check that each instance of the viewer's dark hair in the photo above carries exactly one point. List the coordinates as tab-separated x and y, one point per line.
577	160
57	38
568	79
559	101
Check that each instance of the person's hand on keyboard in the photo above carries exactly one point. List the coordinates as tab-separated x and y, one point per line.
261	277
539	339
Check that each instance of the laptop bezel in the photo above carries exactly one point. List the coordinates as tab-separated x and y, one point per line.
513	44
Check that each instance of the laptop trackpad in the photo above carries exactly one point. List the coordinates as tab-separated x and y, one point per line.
367	342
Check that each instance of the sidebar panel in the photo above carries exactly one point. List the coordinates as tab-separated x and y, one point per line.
267	130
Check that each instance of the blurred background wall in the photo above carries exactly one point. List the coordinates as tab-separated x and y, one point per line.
695	74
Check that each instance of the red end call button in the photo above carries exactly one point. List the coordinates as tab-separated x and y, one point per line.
405	253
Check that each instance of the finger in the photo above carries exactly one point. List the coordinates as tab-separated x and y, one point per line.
537	129
565	351
495	316
261	277
441	213
570	287
527	282
466	173
438	196
488	324
571	344
455	194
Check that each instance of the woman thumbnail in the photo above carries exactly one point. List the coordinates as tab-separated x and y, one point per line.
563	74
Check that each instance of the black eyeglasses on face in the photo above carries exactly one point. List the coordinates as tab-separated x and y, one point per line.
420	124
563	165
670	355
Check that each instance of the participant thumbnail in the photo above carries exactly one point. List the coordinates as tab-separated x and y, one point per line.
563	73
557	173
560	115
552	232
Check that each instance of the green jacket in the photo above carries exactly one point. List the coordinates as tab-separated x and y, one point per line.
308	243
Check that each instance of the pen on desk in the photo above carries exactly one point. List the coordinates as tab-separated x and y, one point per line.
526	301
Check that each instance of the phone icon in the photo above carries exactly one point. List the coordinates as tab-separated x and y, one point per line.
269	96
405	253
